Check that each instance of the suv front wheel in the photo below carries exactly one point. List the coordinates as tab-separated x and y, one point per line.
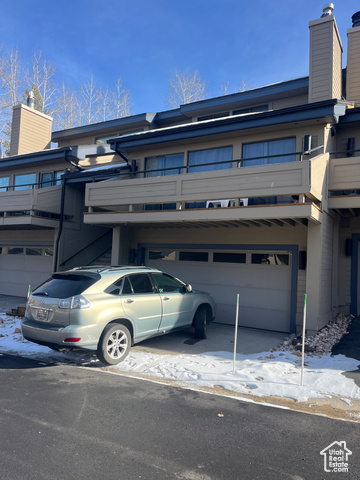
114	344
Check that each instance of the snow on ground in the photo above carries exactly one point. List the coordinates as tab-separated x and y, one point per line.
260	374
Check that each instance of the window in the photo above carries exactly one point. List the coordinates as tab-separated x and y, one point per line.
15	251
162	166
165	165
270	259
212	117
258	108
66	285
33	251
213	159
167	255
265	153
25	182
229	257
168	284
4	184
194	256
50	178
140	283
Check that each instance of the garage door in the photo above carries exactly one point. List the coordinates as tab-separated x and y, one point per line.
261	278
21	266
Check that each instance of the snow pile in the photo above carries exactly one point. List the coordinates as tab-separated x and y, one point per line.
260	374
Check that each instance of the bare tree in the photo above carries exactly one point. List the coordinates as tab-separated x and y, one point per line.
11	83
89	99
224	87
121	100
40	78
185	87
243	86
66	112
104	106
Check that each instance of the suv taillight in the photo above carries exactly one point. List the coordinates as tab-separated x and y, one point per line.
76	302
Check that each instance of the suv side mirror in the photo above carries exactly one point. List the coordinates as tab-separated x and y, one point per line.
188	288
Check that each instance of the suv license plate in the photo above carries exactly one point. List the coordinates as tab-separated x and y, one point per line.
42	315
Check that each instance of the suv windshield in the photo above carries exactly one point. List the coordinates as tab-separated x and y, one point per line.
64	286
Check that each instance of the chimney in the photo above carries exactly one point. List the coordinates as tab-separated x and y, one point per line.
325	69
353	61
30	129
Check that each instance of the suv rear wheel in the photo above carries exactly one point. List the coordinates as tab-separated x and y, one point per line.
114	344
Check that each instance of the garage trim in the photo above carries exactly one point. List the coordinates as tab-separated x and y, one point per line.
293	249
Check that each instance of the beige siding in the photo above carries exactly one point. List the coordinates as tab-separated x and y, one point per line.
353	66
325	60
31	130
289	102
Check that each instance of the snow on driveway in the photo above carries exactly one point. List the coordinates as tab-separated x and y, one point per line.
260	374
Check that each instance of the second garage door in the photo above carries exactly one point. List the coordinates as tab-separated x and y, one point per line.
21	266
261	278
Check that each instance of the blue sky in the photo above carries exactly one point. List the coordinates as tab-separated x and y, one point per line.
144	41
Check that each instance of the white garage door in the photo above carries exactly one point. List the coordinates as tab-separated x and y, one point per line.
22	266
261	278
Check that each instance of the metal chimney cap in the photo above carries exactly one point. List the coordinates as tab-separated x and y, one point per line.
356	19
327	9
30	101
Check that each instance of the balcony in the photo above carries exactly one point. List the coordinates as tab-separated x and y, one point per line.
31	207
344	184
292	194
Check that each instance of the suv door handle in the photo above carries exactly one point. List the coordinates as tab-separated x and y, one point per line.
128	300
166	298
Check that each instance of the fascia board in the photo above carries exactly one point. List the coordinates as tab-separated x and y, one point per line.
20	161
230	124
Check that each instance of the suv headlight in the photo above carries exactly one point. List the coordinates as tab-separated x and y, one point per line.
76	302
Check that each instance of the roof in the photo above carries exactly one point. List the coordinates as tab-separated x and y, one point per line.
328	110
49	155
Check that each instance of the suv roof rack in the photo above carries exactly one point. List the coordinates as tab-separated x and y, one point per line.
111	268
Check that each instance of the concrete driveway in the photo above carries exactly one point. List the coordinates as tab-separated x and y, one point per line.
220	337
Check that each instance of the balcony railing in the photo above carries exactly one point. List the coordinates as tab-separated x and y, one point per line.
290	182
344	181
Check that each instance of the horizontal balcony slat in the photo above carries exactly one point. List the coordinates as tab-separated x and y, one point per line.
291	178
43	199
344	173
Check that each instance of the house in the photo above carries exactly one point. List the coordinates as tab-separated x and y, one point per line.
255	193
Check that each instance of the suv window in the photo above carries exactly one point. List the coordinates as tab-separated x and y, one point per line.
167	283
140	283
64	286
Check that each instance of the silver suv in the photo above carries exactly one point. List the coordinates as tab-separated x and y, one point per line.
108	309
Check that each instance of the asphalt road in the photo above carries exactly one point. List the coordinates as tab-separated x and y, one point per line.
68	422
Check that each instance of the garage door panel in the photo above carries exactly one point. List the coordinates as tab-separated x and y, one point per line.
264	290
17	272
263	318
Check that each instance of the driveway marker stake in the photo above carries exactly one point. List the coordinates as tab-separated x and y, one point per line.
236	330
303	341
